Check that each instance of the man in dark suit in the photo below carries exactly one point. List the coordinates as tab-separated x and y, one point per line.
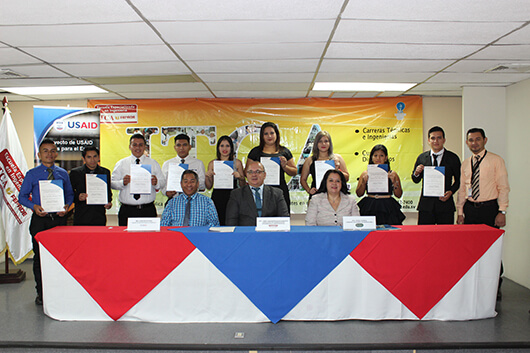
255	199
438	210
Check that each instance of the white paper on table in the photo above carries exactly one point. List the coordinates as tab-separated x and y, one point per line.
321	167
96	189
145	224
140	179
358	223
273	224
174	175
377	178
434	181
223	178
272	168
51	195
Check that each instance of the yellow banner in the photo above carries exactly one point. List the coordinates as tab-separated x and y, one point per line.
355	125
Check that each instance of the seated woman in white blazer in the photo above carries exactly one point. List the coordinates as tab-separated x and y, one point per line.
331	202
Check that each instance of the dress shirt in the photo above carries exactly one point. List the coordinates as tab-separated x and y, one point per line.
493	181
30	185
320	212
440	155
123	168
202	211
193	164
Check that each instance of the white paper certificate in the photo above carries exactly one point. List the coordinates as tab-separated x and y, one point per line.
377	178
272	168
223	178
140	179
321	167
96	189
174	175
51	195
434	181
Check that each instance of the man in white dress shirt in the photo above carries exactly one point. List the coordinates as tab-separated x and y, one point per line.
183	147
136	205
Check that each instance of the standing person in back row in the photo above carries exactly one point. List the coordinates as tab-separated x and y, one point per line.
136	205
30	197
484	188
431	209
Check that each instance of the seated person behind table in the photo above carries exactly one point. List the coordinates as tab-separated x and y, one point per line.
254	200
331	202
190	208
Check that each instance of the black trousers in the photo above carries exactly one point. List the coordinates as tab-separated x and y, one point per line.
38	224
425	217
126	211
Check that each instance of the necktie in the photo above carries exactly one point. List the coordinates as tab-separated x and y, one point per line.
435	158
258	200
50	173
137	196
475	190
187	212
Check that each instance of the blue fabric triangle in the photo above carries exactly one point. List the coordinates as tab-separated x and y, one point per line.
275	270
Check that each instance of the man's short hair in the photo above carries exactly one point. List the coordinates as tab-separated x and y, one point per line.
137	136
434	129
250	162
476	129
189	171
182	137
91	148
46	142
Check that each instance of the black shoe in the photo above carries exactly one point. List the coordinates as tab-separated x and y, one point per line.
38	300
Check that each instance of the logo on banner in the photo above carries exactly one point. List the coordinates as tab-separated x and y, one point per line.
118	113
11	178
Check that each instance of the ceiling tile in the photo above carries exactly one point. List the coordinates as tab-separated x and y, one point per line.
59	11
124	69
260	94
157	87
490	78
381	66
250	51
38	82
522	36
162	95
238	9
254	66
90	55
282	31
398	51
270	77
38	71
421	32
504	52
261	86
439	10
80	35
372	77
476	66
10	56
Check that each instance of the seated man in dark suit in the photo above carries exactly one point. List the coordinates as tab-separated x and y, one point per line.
254	200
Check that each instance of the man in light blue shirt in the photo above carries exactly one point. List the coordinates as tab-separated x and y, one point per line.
190	208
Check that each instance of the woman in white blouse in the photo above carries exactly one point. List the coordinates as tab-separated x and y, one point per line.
331	202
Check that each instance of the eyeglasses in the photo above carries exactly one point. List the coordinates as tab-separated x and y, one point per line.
250	172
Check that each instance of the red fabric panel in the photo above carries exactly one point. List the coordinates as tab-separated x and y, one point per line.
420	264
126	265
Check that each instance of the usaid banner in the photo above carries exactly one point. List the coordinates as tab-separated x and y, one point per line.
72	130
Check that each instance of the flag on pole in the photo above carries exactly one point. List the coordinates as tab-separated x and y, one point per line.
15	218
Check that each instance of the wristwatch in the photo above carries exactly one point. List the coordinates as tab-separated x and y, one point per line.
503	212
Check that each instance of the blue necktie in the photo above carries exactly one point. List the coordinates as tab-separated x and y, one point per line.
258	200
187	213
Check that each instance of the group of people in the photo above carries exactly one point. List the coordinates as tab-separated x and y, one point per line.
481	183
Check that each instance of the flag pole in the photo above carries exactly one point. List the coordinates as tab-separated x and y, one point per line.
17	275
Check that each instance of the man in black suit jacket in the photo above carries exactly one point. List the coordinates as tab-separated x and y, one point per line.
242	208
438	210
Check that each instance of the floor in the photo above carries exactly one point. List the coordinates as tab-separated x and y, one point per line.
25	328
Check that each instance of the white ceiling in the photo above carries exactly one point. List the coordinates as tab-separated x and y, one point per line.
263	48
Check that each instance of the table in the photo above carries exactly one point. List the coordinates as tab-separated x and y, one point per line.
311	273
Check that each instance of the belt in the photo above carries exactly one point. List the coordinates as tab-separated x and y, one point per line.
139	207
483	203
379	196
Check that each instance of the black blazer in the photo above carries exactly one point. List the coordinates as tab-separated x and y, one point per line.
451	162
241	208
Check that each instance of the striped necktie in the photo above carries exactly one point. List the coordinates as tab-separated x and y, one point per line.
475	189
50	173
258	200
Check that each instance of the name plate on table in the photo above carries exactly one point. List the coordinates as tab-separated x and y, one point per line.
358	223
273	224
143	224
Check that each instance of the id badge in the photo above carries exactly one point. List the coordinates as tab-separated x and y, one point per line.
470	192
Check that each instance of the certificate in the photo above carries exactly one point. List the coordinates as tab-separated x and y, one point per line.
434	181
321	167
96	189
377	178
51	195
223	178
272	168
140	179
174	175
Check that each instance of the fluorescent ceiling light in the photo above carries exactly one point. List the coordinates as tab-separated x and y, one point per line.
33	91
361	86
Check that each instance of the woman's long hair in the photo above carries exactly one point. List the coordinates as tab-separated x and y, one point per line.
379	148
318	137
262	132
323	185
232	152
